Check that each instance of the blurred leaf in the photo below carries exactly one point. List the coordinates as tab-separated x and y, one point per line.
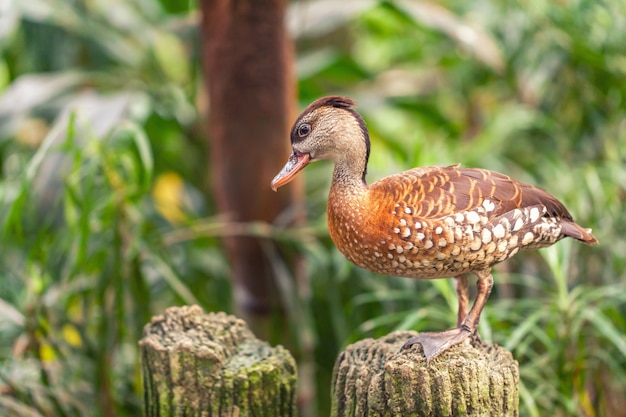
168	195
171	56
317	17
28	94
10	314
607	329
72	336
471	37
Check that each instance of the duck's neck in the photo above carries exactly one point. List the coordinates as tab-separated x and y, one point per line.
347	205
349	174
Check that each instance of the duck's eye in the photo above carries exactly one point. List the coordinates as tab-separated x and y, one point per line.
304	130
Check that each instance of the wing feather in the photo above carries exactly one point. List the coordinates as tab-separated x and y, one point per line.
434	192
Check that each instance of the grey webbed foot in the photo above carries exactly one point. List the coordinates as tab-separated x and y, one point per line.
435	343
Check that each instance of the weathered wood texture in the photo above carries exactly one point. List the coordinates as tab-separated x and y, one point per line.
197	364
373	378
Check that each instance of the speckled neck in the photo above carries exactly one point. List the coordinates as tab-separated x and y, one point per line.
349	175
351	157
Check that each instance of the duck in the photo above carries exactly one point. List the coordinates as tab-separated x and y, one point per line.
425	223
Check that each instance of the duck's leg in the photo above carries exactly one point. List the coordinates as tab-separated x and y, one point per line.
434	344
462	292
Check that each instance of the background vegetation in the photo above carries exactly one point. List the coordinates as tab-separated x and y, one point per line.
107	219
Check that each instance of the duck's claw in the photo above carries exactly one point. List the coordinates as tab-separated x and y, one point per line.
433	344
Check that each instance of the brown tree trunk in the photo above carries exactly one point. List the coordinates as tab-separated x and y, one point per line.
247	59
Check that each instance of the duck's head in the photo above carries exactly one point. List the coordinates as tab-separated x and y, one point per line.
329	128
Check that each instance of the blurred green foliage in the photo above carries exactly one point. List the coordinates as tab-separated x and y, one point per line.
107	219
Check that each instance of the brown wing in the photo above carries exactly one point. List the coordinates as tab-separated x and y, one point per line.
435	192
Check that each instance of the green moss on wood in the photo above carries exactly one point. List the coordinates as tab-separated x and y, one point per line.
197	364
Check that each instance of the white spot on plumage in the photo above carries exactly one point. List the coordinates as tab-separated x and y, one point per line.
518	225
407	210
502	245
534	214
488	205
420	236
402	222
396	230
406	232
399	249
402	259
392	246
472	217
498	231
418	225
428	244
486	236
476	244
442	242
459	218
528	237
438	230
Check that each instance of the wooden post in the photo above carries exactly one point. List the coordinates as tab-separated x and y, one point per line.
197	364
374	378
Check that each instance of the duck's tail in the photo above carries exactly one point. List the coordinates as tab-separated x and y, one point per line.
573	230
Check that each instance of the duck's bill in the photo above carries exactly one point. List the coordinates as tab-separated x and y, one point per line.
295	164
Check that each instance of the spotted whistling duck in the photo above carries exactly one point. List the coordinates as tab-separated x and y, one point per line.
429	222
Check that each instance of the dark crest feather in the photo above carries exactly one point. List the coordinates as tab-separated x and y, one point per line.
339	102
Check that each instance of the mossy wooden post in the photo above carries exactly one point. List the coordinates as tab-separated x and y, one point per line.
197	364
374	378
